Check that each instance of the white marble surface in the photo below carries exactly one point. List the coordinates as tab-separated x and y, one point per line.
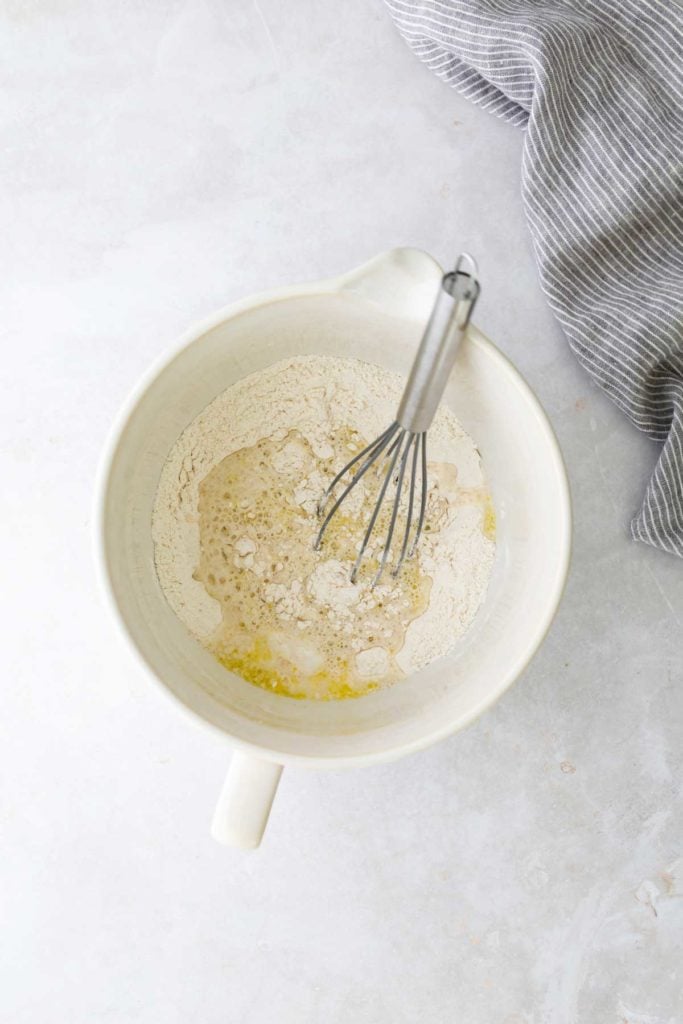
159	159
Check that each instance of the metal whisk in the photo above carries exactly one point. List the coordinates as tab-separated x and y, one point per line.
403	445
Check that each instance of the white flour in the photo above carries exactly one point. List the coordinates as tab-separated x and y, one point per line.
299	404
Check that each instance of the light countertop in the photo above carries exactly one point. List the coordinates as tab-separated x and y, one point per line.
159	160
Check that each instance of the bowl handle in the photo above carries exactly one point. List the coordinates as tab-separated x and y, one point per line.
243	807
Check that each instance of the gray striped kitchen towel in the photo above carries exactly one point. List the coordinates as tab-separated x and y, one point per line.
598	85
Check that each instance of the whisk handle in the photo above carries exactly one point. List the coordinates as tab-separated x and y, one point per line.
435	357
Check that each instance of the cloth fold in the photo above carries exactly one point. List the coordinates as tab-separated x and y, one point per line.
598	86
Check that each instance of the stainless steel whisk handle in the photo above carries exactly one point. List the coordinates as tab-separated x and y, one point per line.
435	357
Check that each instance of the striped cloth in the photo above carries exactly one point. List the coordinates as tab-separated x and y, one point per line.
598	85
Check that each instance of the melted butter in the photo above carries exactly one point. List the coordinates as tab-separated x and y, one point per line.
292	622
488	526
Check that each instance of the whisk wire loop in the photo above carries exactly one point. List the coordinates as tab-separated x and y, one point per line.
375	450
409	515
395	508
423	493
378	505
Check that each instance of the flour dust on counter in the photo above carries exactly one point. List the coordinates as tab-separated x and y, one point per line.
236	515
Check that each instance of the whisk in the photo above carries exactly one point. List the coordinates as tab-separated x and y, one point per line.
403	445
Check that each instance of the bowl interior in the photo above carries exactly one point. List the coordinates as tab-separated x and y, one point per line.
524	470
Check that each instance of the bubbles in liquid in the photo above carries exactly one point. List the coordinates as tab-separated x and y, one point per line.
257	525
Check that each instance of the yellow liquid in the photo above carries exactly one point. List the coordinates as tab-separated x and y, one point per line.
489	520
280	628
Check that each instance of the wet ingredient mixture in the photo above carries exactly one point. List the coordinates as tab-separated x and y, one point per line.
291	619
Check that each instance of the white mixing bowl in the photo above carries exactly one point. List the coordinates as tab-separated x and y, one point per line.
376	313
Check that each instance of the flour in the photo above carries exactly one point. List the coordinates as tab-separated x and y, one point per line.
247	475
329	584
